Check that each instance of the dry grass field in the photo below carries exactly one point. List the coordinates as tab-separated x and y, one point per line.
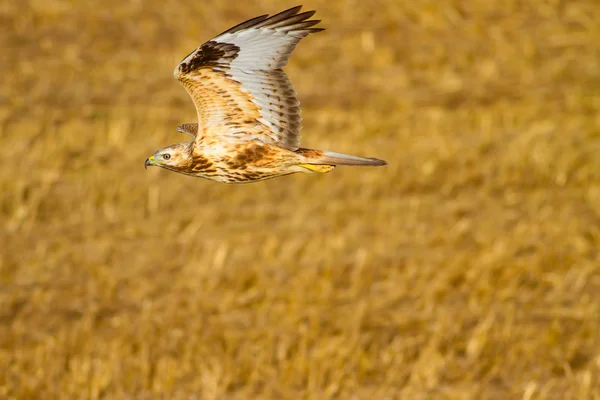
469	268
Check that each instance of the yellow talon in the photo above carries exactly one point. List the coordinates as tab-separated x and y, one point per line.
317	168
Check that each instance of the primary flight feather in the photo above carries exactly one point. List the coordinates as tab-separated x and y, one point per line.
248	125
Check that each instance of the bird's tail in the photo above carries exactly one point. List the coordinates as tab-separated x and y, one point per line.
325	161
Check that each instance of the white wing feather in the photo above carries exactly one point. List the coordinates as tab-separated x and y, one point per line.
263	47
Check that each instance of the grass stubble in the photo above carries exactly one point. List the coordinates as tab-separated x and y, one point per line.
466	269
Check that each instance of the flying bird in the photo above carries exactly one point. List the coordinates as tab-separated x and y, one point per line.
248	125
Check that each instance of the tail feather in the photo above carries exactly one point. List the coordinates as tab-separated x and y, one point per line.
330	158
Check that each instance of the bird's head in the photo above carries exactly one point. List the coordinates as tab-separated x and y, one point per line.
173	157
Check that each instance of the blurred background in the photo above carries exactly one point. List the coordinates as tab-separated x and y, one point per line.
466	269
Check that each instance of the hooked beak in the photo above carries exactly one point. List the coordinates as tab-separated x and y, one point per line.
149	162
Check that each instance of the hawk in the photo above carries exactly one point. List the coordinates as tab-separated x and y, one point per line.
248	125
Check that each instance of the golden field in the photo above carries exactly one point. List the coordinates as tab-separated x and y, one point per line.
469	268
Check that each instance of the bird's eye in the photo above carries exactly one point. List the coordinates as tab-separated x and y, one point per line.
166	156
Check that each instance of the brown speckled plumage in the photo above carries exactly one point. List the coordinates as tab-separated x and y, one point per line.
248	125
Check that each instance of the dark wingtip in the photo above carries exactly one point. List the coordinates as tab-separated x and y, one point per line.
291	17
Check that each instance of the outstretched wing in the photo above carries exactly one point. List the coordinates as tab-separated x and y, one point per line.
237	83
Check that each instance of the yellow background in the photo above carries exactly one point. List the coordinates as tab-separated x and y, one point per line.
466	269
